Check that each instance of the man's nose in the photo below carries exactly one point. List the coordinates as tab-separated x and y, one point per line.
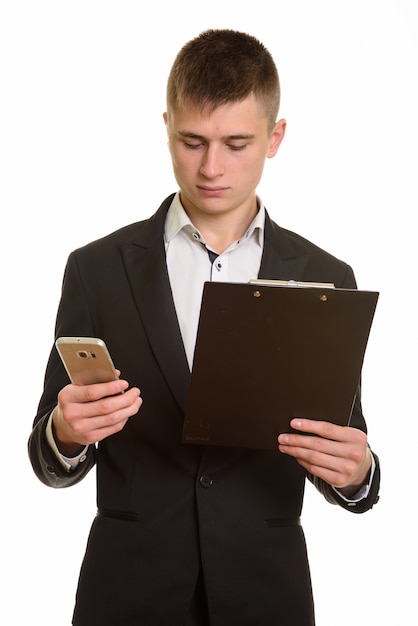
212	162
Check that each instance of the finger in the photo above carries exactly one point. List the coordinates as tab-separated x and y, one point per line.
312	450
109	405
91	393
328	430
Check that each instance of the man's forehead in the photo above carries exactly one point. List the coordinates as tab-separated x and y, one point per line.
232	118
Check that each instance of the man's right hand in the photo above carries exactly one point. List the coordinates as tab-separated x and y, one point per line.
86	414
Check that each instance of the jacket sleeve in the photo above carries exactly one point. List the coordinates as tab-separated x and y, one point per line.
47	466
363	505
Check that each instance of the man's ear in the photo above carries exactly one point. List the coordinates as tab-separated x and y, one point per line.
276	137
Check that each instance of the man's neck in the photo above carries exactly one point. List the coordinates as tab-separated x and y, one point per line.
220	230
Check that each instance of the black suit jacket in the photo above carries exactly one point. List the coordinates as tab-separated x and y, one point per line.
165	508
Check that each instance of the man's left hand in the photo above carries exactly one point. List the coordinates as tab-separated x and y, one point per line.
337	454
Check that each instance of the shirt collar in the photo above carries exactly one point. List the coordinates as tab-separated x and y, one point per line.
177	220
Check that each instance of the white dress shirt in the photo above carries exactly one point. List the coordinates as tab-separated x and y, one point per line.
189	266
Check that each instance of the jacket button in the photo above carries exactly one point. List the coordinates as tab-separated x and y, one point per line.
205	480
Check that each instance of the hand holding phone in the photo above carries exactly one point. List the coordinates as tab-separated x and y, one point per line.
87	361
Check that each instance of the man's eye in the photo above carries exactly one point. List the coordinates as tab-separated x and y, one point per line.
235	148
192	146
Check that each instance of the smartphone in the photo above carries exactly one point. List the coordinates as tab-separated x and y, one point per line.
86	359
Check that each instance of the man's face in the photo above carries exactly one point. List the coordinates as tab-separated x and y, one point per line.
218	157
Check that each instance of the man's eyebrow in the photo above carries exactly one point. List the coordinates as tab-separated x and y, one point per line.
191	135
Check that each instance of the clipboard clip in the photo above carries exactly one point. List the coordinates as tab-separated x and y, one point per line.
289	283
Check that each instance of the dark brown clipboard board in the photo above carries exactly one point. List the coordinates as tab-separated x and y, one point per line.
265	354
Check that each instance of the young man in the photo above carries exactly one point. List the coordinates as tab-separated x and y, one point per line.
190	534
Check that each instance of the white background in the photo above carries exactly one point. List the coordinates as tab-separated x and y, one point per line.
83	152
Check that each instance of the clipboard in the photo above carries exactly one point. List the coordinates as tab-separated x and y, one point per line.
267	352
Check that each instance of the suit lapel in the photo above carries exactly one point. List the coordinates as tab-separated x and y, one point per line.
146	268
280	261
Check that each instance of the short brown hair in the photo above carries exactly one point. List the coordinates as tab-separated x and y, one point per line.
223	66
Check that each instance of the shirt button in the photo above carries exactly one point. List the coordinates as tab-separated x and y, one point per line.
206	481
196	236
